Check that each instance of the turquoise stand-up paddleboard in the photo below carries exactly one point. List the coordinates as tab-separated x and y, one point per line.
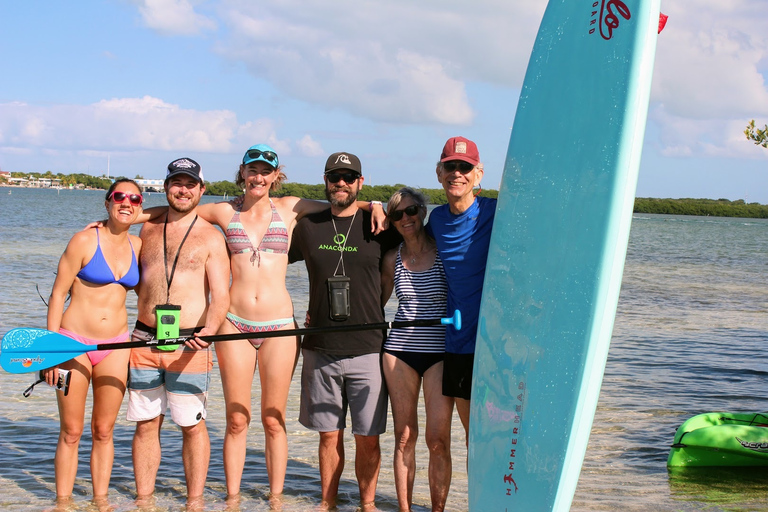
557	252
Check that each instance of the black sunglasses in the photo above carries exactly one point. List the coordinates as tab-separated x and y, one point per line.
255	154
411	211
119	197
348	177
463	167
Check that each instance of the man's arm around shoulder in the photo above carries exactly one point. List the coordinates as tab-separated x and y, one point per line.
217	275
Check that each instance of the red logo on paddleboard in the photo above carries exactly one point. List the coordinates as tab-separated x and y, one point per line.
607	14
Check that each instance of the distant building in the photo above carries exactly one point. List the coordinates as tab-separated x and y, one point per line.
150	185
43	182
21	182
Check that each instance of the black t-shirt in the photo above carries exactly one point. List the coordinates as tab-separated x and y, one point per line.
319	244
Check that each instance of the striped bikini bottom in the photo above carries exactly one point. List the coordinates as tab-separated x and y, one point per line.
243	325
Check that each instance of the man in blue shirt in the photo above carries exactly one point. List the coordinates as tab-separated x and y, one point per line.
462	231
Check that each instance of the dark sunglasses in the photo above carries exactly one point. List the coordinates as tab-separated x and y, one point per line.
348	177
119	197
463	167
411	211
255	154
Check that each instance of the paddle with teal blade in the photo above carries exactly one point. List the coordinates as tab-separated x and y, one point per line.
28	349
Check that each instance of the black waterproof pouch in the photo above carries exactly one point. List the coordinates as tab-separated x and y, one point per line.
338	297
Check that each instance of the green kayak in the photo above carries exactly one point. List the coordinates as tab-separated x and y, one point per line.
721	439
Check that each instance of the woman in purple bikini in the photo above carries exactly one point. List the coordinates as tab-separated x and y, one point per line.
97	269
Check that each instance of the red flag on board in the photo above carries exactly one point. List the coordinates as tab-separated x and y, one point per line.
662	21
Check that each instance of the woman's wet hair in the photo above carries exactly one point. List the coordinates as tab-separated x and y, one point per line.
119	181
418	197
281	177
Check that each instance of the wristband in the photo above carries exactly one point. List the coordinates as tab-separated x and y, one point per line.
370	208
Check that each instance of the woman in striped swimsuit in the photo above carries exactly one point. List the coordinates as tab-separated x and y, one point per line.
414	355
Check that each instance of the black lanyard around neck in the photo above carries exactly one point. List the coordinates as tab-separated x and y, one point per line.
343	244
169	279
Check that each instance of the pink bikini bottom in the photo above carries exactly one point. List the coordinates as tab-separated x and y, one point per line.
96	356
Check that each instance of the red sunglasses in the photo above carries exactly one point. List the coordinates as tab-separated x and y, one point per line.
119	197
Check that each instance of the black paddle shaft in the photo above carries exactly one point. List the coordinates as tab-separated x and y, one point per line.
275	334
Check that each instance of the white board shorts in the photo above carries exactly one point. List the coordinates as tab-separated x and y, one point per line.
159	380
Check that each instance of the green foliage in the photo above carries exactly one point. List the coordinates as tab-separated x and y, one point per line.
374	193
436	196
316	192
757	135
68	179
90	181
702	207
381	193
220	188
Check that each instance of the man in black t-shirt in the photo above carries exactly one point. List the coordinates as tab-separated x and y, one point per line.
342	371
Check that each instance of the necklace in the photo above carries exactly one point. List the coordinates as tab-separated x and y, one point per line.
413	255
341	241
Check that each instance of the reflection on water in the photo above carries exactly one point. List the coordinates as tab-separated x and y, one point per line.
690	337
727	488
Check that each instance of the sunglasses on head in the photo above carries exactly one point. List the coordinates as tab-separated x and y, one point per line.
411	211
463	167
119	197
348	177
255	154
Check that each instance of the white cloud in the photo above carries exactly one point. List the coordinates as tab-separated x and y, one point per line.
709	78
396	61
129	124
408	62
307	146
405	62
174	17
683	137
262	130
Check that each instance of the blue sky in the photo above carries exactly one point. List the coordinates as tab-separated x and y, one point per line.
138	83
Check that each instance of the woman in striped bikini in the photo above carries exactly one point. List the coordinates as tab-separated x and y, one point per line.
259	302
414	355
88	271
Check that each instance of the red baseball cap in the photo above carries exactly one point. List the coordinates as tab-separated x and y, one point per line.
460	148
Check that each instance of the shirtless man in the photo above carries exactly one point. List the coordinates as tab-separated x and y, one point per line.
184	262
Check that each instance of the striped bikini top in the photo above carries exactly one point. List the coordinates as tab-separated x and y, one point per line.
275	240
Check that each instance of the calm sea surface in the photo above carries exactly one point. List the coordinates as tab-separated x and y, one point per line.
690	337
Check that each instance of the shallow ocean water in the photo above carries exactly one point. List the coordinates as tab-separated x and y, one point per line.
689	337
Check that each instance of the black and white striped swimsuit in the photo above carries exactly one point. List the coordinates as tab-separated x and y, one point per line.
421	295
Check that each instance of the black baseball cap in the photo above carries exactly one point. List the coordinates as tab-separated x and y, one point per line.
185	166
348	161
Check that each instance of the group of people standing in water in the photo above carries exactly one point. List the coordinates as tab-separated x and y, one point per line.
192	281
